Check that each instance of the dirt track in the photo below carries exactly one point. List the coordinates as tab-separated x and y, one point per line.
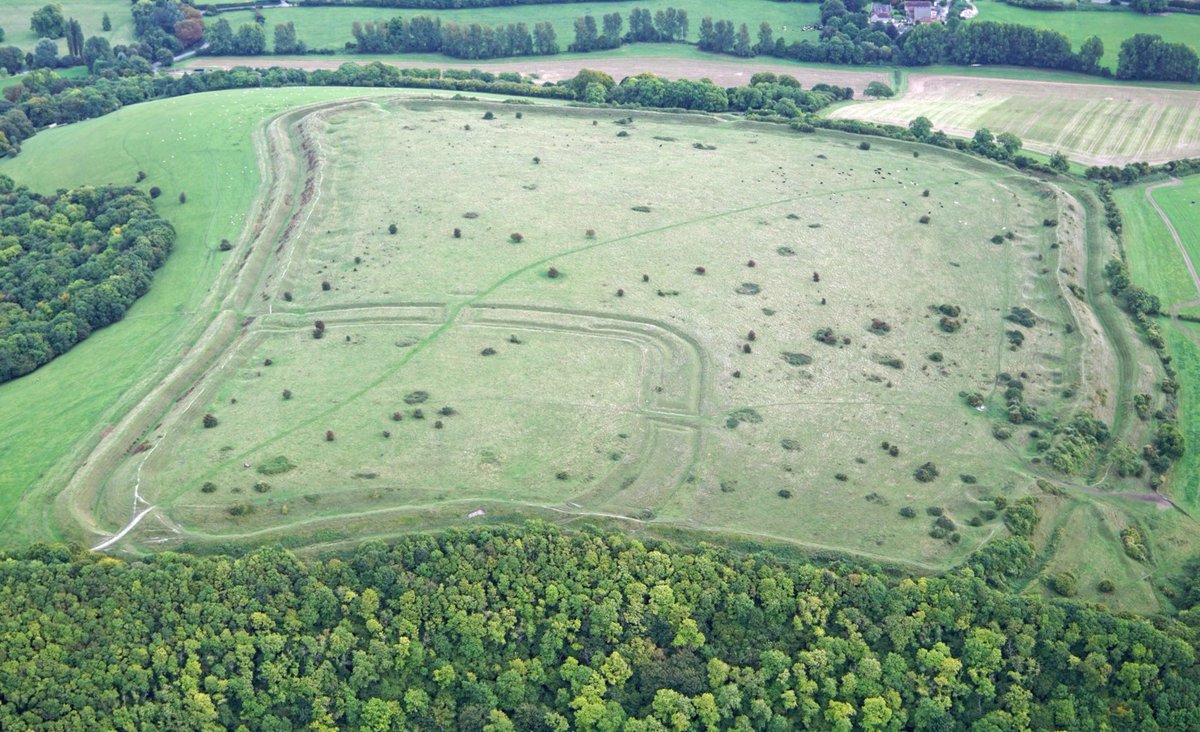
548	68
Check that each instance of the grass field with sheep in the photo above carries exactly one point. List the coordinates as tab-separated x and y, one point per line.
659	318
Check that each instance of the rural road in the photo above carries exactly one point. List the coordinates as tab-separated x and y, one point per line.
1171	227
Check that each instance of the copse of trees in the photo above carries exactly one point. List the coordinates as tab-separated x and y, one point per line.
71	263
48	22
1146	56
533	629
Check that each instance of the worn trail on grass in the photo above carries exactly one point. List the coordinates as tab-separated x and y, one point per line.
1174	233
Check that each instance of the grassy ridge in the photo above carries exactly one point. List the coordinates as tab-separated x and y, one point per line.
1112	27
329	27
220	181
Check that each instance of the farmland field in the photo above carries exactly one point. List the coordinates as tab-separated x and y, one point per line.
1156	264
15	14
329	27
668	60
1155	261
694	422
1111	26
1091	124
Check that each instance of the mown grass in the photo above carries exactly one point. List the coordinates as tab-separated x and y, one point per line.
1181	204
205	150
15	15
1183	340
329	27
1111	26
1154	259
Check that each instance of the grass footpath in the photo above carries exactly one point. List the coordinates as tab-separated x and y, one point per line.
206	152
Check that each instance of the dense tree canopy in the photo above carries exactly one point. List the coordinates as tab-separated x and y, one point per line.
531	629
69	264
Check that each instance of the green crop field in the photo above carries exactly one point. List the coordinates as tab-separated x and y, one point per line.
15	15
1091	124
656	404
329	27
1112	26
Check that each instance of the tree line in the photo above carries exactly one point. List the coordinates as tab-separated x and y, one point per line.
532	629
71	263
43	98
846	37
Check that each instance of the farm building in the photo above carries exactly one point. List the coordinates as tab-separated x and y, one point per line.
881	13
923	11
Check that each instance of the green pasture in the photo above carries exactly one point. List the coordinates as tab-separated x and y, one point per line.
1154	259
1181	204
1183	340
656	405
1111	26
329	27
15	15
205	151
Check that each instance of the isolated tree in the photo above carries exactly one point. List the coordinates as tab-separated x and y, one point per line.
155	191
105	23
182	197
329	435
1059	162
48	22
879	90
96	50
1089	55
921	128
45	54
210	421
286	41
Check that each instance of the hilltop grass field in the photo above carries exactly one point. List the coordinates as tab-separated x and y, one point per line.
619	356
1111	26
440	311
1091	124
329	27
15	15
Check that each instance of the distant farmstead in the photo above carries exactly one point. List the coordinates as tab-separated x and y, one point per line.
915	12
